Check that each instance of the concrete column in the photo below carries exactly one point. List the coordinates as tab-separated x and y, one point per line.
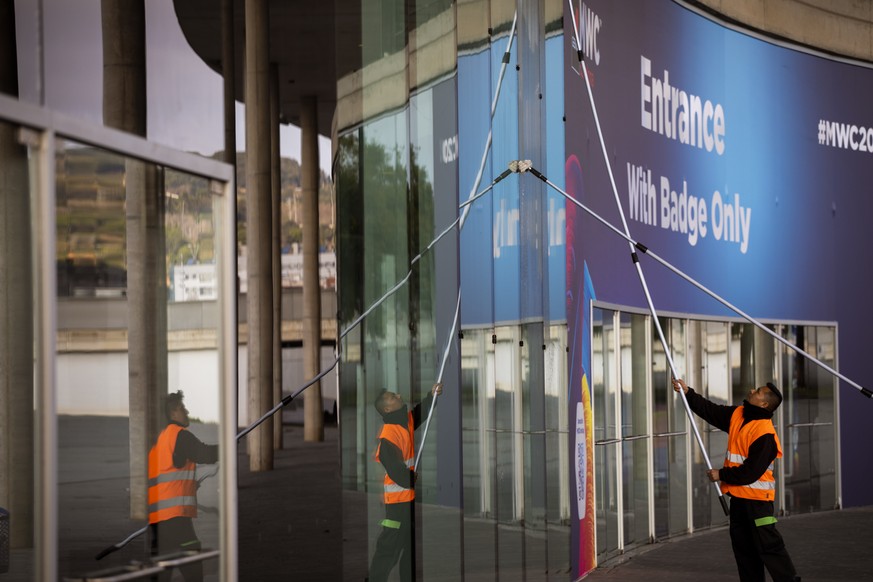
313	419
124	74
276	182
124	108
16	305
228	68
259	299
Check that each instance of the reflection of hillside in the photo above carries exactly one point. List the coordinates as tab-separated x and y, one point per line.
91	223
292	204
90	220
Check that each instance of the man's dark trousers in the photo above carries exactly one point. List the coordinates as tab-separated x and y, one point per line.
757	544
395	542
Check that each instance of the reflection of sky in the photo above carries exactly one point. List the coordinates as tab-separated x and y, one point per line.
184	95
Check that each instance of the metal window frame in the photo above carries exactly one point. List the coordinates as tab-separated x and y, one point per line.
42	127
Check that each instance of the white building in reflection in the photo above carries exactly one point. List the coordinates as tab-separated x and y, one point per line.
197	282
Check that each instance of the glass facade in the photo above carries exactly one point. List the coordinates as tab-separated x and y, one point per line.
131	211
93	232
493	488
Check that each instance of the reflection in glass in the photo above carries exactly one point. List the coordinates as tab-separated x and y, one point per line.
18	389
129	237
669	420
809	446
477	408
606	494
635	485
717	389
557	450
670	470
634	375
604	374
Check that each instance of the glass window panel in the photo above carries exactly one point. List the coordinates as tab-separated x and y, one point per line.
478	441
716	362
534	443
18	447
606	493
701	490
668	413
669	417
635	477
557	518
508	422
662	392
535	562
126	340
809	445
634	374
557	451
670	470
604	374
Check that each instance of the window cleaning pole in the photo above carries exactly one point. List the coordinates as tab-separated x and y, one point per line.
636	261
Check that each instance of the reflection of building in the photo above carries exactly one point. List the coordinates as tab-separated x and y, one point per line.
292	270
194	282
197	282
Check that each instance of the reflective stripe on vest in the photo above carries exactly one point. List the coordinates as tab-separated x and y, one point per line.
172	490
402	438
172	476
740	438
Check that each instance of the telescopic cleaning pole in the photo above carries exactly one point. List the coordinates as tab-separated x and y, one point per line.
639	270
462	218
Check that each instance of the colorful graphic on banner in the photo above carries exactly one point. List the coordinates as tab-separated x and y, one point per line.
580	294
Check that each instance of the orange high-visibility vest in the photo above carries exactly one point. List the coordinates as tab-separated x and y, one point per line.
740	438
404	439
172	491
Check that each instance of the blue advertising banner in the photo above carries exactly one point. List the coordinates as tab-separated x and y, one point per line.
730	157
490	239
743	163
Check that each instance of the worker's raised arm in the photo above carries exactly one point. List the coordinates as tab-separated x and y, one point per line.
717	415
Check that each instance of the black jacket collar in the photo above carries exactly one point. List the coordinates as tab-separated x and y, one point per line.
400	416
752	412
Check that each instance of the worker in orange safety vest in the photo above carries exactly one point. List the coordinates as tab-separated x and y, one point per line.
747	478
172	491
396	453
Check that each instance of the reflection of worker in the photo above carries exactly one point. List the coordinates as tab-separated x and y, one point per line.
747	477
173	485
396	452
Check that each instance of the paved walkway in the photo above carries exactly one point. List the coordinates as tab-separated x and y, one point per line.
829	546
291	528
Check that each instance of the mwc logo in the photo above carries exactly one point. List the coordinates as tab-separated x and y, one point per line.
587	25
450	149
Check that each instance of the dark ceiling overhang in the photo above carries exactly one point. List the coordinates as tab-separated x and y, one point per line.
306	37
